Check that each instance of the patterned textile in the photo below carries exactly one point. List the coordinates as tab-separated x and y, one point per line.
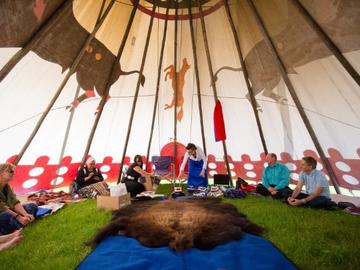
201	191
43	197
100	188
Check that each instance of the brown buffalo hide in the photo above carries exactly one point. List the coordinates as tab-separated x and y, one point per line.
202	223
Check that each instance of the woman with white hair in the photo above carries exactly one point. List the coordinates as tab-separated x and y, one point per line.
88	176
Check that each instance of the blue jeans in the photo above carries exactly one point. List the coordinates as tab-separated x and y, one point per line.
9	224
318	202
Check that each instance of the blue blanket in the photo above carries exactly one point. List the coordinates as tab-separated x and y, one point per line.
41	212
251	252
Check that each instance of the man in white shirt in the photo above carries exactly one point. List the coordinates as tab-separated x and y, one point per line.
197	166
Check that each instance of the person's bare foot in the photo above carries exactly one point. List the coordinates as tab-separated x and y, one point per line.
7	237
12	243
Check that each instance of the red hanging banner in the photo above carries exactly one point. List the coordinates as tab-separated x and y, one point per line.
219	124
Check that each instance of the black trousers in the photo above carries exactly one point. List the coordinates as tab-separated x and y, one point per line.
134	187
282	193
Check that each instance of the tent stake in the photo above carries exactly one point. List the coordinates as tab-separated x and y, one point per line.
175	92
293	94
66	137
108	83
246	77
213	84
137	92
197	77
157	89
73	112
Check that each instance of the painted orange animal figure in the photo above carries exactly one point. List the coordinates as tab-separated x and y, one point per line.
178	86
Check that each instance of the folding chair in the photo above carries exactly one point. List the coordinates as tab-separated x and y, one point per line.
164	167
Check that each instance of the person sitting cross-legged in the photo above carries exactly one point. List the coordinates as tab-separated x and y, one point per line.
317	188
138	180
89	181
13	215
275	179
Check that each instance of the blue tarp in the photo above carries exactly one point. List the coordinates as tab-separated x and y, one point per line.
251	252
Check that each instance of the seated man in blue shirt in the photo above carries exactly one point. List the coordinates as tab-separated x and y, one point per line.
275	179
317	188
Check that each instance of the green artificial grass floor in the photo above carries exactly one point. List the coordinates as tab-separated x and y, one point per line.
312	239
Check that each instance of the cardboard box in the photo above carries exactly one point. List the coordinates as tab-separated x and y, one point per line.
113	202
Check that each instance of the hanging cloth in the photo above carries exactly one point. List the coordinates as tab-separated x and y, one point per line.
219	124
